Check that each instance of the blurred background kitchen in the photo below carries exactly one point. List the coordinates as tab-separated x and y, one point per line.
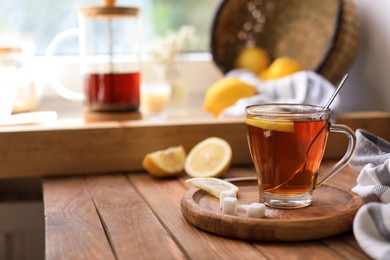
28	27
32	25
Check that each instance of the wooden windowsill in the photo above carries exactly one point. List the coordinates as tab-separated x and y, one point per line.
71	146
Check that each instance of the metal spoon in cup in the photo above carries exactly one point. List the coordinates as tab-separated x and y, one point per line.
336	91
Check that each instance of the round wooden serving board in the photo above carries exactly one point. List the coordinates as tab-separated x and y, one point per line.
331	213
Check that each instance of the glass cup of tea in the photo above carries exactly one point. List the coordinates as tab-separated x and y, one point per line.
287	143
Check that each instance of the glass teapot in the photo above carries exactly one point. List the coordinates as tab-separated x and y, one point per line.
109	42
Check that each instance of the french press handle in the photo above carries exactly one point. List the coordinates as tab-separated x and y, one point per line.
53	80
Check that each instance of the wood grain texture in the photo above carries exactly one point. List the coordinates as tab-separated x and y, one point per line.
131	226
164	196
296	250
107	147
89	148
345	245
331	213
127	204
73	227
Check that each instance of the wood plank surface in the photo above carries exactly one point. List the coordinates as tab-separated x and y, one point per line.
72	224
91	148
137	210
131	226
164	196
294	250
346	246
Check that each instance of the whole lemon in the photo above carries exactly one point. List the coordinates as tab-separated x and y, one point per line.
279	68
224	93
255	59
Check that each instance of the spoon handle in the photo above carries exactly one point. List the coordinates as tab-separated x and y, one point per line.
336	91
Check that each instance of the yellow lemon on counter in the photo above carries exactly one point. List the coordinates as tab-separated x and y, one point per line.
279	68
209	158
213	186
165	163
224	93
282	126
255	59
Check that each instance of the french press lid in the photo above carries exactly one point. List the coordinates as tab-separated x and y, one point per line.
108	10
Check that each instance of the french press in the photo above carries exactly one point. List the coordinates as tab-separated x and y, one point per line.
109	38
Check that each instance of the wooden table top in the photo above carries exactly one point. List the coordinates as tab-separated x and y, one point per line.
136	216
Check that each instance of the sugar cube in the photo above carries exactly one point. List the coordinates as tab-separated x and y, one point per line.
256	210
229	206
224	194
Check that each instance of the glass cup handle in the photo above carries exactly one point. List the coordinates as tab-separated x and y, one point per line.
337	128
53	81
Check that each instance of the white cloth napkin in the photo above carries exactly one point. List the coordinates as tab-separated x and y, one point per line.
304	87
371	225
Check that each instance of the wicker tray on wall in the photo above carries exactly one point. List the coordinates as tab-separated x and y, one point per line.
321	35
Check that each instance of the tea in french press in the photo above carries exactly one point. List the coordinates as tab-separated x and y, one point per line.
110	62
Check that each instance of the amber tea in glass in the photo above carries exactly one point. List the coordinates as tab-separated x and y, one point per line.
287	143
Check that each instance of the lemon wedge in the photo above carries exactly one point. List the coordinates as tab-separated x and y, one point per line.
282	126
165	163
213	186
209	158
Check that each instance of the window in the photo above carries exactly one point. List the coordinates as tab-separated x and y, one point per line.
41	20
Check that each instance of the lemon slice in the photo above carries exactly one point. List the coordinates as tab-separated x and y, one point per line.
165	163
213	186
282	126
209	158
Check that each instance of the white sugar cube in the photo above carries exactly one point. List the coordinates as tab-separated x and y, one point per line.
243	207
256	210
229	206
224	194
